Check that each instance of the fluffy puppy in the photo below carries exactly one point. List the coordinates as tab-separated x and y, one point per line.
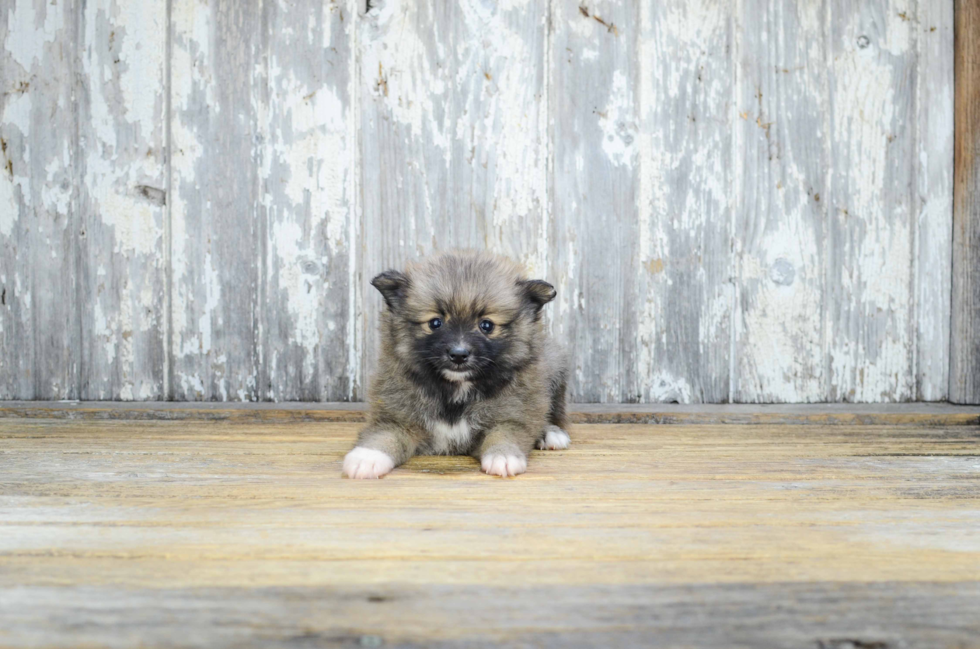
465	368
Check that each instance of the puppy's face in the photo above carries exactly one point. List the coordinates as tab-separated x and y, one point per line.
463	317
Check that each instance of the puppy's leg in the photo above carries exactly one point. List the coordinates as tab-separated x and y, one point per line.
504	450
554	437
378	451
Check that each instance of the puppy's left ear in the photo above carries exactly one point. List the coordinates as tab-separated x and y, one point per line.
392	286
537	292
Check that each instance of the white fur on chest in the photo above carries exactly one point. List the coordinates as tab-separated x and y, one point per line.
450	439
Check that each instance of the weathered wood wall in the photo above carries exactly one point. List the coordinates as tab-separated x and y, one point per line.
737	201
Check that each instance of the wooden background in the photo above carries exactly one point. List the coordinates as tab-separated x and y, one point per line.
743	200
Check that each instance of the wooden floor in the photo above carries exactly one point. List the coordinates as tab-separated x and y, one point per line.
231	534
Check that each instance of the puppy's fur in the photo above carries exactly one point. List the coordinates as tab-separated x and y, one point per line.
508	394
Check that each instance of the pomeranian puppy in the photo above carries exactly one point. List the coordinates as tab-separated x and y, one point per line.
466	368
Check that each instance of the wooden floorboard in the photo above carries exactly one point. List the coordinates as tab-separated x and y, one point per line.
203	533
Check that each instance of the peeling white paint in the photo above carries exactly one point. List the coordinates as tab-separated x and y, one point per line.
140	64
934	193
17	115
56	191
122	129
136	223
663	387
192	24
8	205
413	90
14	119
618	124
212	291
496	73
183	165
355	338
191	384
683	200
103	332
28	33
316	155
874	297
303	292
665	151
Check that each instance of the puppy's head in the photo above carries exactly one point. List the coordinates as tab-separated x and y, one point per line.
463	316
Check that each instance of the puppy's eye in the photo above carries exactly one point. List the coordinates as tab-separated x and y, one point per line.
435	323
486	326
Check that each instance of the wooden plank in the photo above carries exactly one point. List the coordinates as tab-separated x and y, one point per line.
910	414
780	345
244	534
679	343
39	327
122	197
306	120
453	134
594	235
869	322
215	212
825	616
933	197
964	373
914	414
872	492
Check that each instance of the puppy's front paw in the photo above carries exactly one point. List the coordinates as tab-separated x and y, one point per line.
509	463
367	463
555	439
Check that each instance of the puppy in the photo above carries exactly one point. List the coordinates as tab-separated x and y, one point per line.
465	369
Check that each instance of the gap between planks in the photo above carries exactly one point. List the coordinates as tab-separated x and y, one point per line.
905	414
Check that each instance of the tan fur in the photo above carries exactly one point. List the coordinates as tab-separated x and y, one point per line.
408	411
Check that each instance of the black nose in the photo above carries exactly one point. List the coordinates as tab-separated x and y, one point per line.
459	354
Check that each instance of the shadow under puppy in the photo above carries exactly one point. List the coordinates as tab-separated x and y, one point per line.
466	368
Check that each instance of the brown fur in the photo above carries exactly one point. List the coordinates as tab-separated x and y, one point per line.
510	402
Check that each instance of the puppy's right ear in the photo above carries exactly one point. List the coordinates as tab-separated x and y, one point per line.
538	292
392	286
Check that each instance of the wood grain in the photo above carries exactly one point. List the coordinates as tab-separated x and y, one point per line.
683	267
738	202
822	615
932	198
119	532
453	139
215	212
910	414
870	217
595	182
305	122
780	344
40	338
964	374
121	273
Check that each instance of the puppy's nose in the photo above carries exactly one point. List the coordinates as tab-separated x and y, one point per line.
459	354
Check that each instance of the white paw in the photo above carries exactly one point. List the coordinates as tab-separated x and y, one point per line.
503	464
367	463
555	439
